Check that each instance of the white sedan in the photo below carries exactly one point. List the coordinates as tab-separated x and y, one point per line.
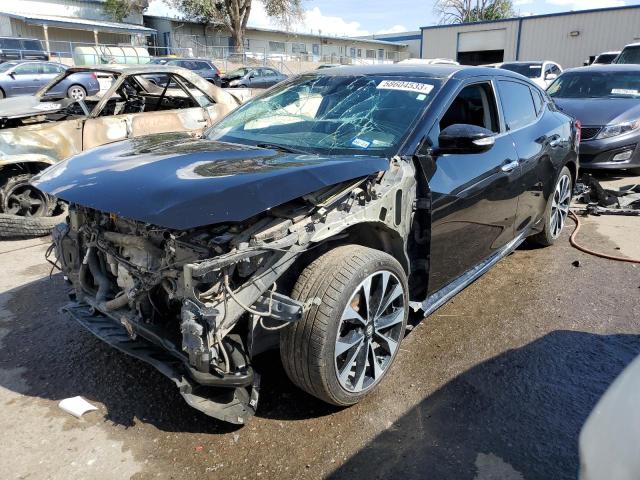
543	73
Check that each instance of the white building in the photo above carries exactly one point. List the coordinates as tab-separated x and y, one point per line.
569	38
411	39
215	41
64	24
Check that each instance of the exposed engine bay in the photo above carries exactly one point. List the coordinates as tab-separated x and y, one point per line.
216	296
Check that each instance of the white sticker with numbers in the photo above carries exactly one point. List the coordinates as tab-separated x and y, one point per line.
416	87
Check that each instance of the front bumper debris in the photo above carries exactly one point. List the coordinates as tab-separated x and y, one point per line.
230	403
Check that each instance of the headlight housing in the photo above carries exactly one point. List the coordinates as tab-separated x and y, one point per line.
619	129
233	83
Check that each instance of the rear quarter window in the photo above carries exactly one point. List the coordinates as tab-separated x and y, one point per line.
517	104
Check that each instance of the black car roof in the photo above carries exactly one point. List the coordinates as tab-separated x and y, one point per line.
427	71
619	67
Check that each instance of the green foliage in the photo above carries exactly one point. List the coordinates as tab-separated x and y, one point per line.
120	9
234	14
465	11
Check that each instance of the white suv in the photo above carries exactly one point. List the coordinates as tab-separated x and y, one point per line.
542	72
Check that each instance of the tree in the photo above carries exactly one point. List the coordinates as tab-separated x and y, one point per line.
465	11
234	14
120	9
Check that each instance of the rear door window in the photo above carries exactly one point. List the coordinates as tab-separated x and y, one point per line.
517	104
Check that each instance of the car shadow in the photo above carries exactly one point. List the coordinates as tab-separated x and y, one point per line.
525	406
515	416
46	355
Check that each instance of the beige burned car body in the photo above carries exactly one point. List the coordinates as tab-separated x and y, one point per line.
41	130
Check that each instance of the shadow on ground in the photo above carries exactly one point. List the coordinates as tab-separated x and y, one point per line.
46	355
515	416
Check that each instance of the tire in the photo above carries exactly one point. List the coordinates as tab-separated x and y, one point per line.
15	227
16	188
77	92
552	231
2	95
308	347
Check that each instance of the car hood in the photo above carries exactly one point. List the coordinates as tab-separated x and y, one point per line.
600	111
178	182
26	106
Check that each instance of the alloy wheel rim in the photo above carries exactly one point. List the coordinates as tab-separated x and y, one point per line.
25	201
369	332
77	93
560	205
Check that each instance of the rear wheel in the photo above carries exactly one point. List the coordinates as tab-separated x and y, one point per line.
343	347
76	92
1	94
557	210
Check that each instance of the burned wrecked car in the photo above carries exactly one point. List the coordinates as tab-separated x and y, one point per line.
38	131
311	219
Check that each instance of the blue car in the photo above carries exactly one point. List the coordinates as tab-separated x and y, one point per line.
26	78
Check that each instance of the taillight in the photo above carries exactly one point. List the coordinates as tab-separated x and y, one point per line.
578	131
94	75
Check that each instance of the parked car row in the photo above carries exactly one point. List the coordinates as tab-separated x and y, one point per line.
25	77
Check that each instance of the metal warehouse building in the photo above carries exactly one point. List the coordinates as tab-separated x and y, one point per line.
569	38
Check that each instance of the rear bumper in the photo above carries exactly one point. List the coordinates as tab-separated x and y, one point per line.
599	154
226	401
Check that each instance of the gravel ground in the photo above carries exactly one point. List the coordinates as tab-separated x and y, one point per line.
495	385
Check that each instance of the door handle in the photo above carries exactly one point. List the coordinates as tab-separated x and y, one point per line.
555	141
509	165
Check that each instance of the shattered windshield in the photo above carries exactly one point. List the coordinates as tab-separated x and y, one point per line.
331	114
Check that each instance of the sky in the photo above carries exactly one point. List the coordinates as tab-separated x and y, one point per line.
368	17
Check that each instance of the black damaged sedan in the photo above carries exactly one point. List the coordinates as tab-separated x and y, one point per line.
310	220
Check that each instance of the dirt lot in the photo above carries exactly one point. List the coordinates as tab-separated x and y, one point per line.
495	385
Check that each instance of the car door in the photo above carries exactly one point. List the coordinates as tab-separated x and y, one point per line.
271	77
255	78
26	79
539	141
180	109
473	196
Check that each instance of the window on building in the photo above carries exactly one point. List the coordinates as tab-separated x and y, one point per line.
299	48
359	53
517	103
277	47
371	54
381	54
352	52
315	48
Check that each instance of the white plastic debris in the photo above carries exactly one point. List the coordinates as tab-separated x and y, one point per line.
76	406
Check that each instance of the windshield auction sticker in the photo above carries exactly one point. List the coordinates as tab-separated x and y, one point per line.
624	91
405	86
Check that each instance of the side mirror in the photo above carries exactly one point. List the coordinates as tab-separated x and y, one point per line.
465	139
550	77
12	75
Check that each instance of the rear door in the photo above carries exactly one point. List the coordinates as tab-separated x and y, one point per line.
474	196
540	141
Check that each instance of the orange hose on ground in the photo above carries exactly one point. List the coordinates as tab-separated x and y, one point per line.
575	244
